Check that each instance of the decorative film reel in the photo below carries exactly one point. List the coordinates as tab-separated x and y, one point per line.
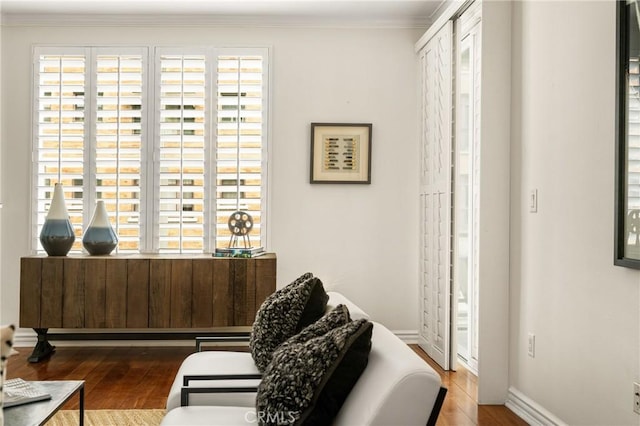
240	224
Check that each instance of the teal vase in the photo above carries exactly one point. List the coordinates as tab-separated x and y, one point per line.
57	234
99	237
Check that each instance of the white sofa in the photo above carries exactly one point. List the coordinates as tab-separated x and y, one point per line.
396	388
233	363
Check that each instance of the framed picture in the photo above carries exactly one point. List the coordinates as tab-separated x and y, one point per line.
627	213
341	153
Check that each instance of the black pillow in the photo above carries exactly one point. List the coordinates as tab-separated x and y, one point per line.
335	318
307	383
315	306
283	314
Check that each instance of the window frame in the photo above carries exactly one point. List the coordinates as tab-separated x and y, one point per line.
150	151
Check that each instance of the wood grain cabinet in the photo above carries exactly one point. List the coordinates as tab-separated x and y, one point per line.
142	292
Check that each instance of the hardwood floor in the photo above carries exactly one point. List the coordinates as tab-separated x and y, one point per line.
460	407
115	378
140	377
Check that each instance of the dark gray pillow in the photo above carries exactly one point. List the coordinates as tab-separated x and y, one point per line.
307	383
283	314
337	317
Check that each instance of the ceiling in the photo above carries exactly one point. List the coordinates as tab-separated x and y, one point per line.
401	12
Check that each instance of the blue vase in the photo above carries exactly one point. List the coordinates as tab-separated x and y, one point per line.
99	237
57	234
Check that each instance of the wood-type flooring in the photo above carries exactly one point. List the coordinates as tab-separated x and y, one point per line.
140	377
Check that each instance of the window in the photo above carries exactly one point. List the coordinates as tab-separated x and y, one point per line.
173	141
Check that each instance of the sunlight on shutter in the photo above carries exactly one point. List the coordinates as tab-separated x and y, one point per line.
60	136
119	144
239	143
182	153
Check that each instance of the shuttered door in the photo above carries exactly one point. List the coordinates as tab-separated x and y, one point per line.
435	196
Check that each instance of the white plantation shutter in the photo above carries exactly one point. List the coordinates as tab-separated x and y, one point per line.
119	143
239	142
59	135
182	138
173	140
435	197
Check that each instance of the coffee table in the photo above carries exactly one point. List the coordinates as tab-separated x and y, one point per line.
37	413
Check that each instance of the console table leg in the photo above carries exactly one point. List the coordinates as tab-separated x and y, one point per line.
43	348
82	405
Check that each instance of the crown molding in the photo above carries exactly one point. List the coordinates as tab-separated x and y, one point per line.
208	20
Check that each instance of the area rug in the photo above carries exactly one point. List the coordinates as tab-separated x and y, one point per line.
108	418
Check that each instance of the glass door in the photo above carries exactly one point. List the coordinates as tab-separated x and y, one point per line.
466	192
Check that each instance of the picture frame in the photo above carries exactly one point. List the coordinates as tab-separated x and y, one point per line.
627	156
341	153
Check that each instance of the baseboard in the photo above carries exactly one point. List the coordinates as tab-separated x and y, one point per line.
23	338
407	336
529	410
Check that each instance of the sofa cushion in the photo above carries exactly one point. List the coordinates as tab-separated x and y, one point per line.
283	314
309	381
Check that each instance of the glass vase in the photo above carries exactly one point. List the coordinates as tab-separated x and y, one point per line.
99	237
57	234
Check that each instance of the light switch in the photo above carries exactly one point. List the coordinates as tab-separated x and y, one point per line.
533	201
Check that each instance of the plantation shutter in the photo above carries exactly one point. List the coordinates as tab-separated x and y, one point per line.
435	196
182	142
59	134
240	142
119	143
136	127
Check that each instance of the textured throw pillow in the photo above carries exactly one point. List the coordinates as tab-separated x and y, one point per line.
307	383
285	313
335	318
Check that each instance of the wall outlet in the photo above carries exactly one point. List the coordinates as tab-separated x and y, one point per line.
636	398
532	345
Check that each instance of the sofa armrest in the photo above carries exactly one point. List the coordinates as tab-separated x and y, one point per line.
186	379
186	390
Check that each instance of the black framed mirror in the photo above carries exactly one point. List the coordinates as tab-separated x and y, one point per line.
627	215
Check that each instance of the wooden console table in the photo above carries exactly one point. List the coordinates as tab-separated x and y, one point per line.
146	292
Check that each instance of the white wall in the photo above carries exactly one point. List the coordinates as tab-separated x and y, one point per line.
359	239
584	311
493	233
